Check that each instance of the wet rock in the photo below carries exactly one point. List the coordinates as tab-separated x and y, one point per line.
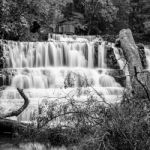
3	55
119	76
6	76
111	58
117	43
96	54
142	55
3	63
140	46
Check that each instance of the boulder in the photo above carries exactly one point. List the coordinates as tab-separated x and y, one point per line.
140	80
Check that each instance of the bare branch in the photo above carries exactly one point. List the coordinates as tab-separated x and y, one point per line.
20	110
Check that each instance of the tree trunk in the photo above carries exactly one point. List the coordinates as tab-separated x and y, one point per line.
140	80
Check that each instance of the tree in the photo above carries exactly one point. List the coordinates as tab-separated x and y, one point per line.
96	15
17	16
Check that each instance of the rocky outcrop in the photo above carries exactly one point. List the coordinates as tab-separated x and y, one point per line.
130	50
140	80
3	54
111	58
4	77
119	76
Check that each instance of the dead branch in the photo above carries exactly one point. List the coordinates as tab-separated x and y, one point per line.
20	110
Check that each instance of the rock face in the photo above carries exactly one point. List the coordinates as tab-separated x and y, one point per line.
3	64
142	55
130	51
1	56
111	58
139	80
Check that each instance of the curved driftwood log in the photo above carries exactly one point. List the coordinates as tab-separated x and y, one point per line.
11	126
140	80
20	110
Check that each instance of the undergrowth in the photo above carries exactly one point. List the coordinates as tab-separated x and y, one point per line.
96	125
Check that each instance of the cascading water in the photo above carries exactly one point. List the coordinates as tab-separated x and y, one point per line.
147	53
44	68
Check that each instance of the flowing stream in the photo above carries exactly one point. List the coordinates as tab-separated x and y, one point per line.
32	146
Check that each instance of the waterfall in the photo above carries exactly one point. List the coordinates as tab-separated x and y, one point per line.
43	69
147	53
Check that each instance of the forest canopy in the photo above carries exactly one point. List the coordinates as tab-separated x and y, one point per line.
20	19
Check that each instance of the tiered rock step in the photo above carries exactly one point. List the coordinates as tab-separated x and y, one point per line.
11	100
52	72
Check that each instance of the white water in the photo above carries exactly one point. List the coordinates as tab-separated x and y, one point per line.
55	69
31	146
147	53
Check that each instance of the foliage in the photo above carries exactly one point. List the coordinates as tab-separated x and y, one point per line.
17	16
88	16
95	124
93	16
11	18
123	14
100	13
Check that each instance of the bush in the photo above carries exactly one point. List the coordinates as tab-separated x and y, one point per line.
94	124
